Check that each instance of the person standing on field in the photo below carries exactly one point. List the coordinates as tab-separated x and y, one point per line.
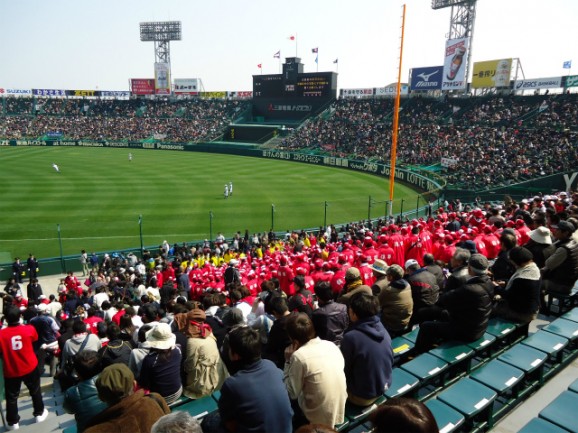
84	262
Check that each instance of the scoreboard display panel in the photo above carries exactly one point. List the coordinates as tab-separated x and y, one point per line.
321	85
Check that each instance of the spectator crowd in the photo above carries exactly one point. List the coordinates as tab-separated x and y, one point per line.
486	141
290	329
489	141
77	119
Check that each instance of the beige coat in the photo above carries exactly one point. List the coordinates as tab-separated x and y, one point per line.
205	370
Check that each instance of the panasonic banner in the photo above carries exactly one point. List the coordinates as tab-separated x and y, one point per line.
429	78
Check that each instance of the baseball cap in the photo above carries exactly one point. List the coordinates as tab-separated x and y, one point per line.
352	273
411	262
565	226
478	262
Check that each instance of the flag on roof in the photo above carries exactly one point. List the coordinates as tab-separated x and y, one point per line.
567	64
314	50
336	61
291	38
259	65
277	55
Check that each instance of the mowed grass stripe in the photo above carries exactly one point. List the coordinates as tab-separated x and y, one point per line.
99	194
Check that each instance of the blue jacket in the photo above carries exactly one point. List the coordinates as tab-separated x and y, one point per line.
368	355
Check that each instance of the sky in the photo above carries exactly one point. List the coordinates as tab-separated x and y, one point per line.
89	45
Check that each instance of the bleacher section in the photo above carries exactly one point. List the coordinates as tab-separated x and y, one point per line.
468	387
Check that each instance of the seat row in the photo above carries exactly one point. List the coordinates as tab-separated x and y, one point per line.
558	416
468	387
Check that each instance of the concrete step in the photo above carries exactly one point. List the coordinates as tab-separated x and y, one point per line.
53	398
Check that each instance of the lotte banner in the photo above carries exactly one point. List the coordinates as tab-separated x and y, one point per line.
454	75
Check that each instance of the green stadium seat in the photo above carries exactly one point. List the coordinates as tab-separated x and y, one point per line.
199	408
457	354
563	327
571	315
403	384
565	301
343	427
484	348
430	371
361	428
358	415
573	386
448	419
181	400
528	359
411	335
401	348
506	331
562	411
539	425
502	378
553	345
216	395
471	399
71	429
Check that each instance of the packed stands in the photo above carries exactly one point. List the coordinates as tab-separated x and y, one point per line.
235	278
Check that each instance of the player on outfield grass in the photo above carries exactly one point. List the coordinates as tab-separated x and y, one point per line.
54	166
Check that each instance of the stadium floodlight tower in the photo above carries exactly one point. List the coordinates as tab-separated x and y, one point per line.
161	33
462	19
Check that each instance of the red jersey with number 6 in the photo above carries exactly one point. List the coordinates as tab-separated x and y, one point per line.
17	350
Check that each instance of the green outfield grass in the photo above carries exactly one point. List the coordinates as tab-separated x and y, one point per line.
98	196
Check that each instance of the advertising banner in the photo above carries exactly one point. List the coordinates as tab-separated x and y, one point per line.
429	78
25	92
142	86
114	93
186	86
391	90
571	81
213	95
492	73
162	79
538	83
49	92
455	64
247	94
448	162
356	93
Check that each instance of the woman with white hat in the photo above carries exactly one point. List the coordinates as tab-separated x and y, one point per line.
161	368
540	245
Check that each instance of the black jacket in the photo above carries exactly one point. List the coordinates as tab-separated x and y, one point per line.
470	306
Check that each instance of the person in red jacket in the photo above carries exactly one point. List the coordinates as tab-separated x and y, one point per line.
20	365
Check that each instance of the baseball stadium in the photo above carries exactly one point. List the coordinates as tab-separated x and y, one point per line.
295	257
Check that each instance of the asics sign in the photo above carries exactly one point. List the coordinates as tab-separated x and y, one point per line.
540	83
426	78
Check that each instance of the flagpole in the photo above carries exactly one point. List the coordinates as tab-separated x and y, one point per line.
393	155
295	44
317	59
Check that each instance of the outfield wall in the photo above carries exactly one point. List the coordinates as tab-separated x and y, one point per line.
427	183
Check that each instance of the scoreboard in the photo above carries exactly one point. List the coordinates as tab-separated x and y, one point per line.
313	85
292	95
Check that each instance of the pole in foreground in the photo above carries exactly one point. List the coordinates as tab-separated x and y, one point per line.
396	118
